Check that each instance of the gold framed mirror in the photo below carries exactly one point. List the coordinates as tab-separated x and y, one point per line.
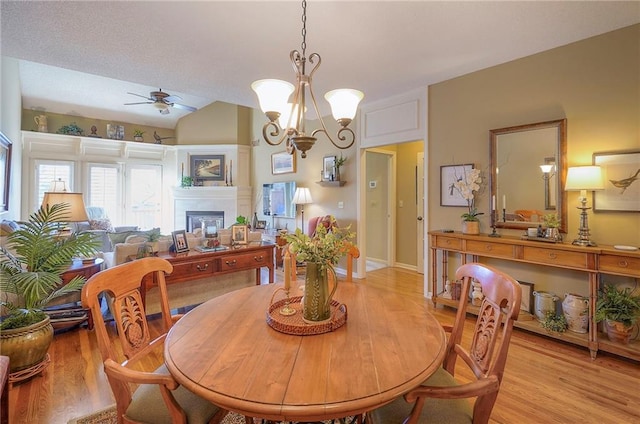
523	191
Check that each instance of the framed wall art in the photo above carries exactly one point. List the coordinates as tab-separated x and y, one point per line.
5	171
621	174
283	163
328	168
239	234
449	174
180	241
207	167
526	302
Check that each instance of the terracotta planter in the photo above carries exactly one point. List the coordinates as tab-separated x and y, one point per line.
26	346
617	332
471	227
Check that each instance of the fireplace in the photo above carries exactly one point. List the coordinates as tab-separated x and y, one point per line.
195	218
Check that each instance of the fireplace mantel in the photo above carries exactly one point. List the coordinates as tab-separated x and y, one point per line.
233	201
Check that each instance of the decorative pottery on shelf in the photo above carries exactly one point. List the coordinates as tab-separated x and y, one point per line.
576	311
471	227
617	331
544	302
316	303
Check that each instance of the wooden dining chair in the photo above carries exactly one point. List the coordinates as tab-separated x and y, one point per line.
443	399
157	397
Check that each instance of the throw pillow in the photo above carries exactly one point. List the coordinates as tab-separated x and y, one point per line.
101	224
120	236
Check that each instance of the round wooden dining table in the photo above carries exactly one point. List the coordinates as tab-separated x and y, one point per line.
225	351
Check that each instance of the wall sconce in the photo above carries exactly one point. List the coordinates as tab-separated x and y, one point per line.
548	171
583	178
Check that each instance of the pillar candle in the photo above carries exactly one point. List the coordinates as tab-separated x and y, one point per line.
230	172
493	203
287	272
182	170
504	201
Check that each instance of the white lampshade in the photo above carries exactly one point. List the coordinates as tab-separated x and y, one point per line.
284	116
273	94
546	168
302	196
344	102
76	211
584	178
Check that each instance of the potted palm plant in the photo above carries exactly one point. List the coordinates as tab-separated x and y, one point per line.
619	308
31	264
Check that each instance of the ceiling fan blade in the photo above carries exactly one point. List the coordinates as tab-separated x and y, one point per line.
140	95
173	99
184	107
139	103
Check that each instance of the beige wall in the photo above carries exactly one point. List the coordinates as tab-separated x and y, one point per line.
10	106
217	123
594	83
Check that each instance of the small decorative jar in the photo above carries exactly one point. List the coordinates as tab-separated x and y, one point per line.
576	311
544	302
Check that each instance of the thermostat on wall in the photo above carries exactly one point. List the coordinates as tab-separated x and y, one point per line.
373	184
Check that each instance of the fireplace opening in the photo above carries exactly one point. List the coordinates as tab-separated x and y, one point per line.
195	218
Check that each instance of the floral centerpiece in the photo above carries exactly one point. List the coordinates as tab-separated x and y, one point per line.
320	252
468	185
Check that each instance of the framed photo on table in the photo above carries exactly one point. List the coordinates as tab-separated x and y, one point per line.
180	241
283	163
239	234
449	174
621	178
207	167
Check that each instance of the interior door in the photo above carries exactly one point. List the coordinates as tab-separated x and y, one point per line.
420	212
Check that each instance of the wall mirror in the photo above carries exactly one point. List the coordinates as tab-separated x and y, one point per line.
524	193
277	199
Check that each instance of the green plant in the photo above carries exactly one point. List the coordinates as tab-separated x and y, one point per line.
32	262
553	322
242	220
187	181
138	133
551	220
340	161
619	305
471	216
153	235
72	128
327	246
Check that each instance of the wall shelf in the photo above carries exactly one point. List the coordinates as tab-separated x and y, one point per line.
331	183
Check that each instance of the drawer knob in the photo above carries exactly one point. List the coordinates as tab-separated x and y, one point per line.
258	258
552	255
488	247
231	263
623	264
202	268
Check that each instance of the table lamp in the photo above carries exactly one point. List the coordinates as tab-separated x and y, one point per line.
302	196
583	178
76	212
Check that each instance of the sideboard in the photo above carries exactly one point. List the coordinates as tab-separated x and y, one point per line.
593	261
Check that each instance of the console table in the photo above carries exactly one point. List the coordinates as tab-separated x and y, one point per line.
193	265
593	261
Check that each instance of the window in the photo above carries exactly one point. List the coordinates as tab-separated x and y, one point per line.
104	189
144	196
48	171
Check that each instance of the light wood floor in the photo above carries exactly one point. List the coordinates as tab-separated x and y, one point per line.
545	381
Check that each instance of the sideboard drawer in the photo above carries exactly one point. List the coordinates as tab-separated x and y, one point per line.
495	250
245	261
191	269
555	257
448	243
626	265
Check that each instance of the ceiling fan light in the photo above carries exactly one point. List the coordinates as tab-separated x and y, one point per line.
160	106
344	102
272	94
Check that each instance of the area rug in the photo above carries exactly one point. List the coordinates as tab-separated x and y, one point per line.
108	416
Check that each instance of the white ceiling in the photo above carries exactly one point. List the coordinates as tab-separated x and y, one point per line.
82	58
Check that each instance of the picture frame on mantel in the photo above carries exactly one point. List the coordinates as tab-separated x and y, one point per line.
621	175
207	167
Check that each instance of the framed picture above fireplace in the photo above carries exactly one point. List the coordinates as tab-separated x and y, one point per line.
207	167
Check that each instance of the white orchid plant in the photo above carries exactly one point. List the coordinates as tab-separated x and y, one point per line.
468	185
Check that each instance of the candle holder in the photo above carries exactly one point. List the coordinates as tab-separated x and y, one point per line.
286	309
494	216
504	215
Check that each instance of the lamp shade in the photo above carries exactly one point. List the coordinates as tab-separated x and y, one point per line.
302	196
76	211
273	94
546	168
584	178
344	102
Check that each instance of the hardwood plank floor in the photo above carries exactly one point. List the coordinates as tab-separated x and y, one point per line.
545	381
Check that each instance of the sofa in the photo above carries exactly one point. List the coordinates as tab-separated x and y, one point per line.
100	226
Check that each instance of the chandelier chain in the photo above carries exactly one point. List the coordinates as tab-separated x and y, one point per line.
303	46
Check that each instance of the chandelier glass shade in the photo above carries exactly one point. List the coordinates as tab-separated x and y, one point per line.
287	117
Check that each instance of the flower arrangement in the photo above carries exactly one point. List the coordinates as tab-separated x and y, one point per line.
467	185
551	220
325	248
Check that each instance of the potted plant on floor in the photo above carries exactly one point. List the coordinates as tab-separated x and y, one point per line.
31	265
619	308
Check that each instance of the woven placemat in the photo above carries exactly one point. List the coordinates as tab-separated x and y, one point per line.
296	325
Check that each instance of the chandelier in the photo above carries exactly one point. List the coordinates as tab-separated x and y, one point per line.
287	120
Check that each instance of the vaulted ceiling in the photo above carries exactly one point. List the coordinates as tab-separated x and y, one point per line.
82	58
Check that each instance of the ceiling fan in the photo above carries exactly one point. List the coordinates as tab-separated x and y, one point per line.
162	101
